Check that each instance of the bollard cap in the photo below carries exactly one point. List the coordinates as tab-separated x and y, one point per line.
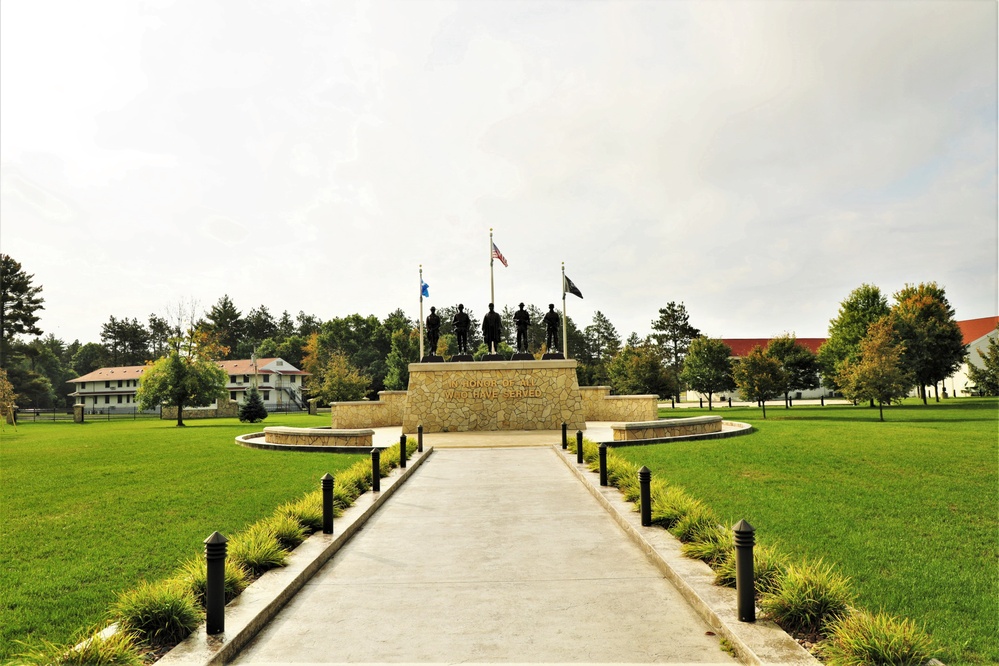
326	477
644	473
215	538
743	526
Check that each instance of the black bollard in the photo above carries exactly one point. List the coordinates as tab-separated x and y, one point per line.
603	463
376	469
327	484
745	584
215	548
645	495
701	402
402	451
579	446
672	403
822	400
419	438
730	402
565	436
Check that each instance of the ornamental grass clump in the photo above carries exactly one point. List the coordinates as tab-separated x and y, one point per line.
769	565
121	648
257	549
697	522
862	638
669	503
308	511
286	529
193	575
161	613
807	597
710	545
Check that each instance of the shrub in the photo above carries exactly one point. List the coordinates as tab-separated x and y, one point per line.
257	549
807	597
286	530
308	511
193	575
697	522
862	638
768	567
669	504
119	649
159	613
711	545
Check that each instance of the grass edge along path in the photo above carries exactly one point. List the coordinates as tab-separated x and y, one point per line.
905	508
807	599
154	617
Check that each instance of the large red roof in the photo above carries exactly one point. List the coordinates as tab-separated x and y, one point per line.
973	329
742	346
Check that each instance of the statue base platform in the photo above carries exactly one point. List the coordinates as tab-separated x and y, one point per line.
493	357
430	358
522	356
462	358
493	395
553	356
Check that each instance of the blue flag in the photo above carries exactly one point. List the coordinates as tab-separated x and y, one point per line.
424	289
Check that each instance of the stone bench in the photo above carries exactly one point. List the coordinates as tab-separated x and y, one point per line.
662	428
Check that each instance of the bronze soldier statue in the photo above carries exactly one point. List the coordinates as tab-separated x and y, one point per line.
552	323
461	323
522	320
491	325
433	330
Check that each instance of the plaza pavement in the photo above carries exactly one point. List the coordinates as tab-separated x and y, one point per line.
488	554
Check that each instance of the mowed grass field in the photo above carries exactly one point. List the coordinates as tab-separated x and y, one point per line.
88	510
908	508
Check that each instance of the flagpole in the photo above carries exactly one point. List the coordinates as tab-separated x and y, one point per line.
421	312
492	284
565	347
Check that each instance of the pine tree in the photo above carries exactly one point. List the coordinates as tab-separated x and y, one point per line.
252	409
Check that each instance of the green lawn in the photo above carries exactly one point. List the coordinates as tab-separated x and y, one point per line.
909	508
89	510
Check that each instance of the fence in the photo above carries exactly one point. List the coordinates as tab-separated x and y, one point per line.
93	414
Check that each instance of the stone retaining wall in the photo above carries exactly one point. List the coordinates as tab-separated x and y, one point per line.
318	436
600	405
696	425
493	395
386	411
223	408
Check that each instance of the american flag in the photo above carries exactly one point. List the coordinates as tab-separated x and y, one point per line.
499	255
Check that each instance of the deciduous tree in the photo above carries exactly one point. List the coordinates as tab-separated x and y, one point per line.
798	363
760	377
639	370
878	373
708	367
864	306
925	323
986	376
188	376
338	380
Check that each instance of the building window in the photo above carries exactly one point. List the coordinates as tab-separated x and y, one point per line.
119	399
232	379
292	379
246	379
83	385
107	400
267	379
128	399
120	383
267	395
232	395
95	399
107	384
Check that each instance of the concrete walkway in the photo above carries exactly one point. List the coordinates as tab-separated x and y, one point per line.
488	555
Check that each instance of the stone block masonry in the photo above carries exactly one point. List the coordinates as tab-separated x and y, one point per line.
698	425
493	395
600	405
386	411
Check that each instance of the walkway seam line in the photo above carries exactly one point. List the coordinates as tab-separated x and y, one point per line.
758	643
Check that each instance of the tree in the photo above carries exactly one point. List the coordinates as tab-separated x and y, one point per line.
338	380
405	350
925	323
88	358
127	340
226	322
864	306
7	398
708	367
258	325
673	335
878	373
760	377
640	370
19	301
986	377
799	365
252	409
186	377
160	332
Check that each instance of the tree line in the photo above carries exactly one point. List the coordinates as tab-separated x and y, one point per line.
356	356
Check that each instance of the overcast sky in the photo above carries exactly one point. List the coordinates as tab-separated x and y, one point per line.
755	160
